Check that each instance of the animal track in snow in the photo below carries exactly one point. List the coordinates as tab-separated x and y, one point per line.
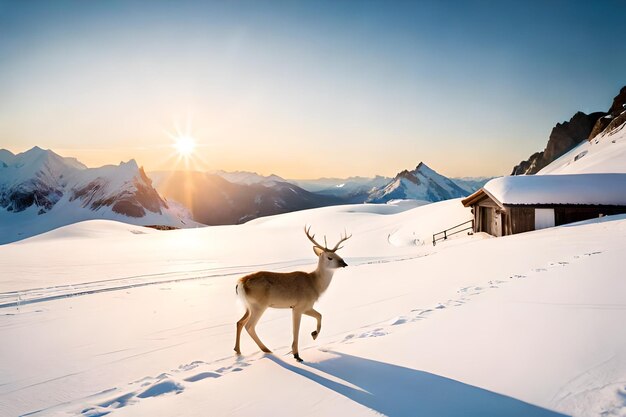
190	366
202	375
166	386
370	333
558	263
399	320
166	383
173	382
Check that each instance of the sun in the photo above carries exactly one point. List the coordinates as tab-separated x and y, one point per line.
184	145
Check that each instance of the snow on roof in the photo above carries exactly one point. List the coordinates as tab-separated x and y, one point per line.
593	189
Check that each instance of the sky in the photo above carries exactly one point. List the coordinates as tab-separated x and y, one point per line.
304	89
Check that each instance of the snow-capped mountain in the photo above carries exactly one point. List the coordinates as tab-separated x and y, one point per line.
249	178
40	190
423	183
215	200
35	177
471	184
352	189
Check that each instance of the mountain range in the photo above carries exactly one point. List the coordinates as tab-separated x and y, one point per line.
221	197
40	190
214	200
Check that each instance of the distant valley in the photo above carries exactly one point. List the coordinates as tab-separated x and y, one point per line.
41	190
235	197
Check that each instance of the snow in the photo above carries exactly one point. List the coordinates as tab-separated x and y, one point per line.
423	183
349	185
103	317
38	168
471	184
602	154
249	178
596	189
36	163
6	157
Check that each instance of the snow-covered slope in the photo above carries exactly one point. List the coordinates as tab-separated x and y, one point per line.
40	190
422	183
606	153
526	325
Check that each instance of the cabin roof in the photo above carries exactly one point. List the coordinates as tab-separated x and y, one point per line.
584	189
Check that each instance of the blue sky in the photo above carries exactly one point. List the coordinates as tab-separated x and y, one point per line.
305	89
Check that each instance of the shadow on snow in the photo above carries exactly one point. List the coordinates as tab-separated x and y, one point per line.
397	391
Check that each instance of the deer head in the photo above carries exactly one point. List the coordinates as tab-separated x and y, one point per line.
328	257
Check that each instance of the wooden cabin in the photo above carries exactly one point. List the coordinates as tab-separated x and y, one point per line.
516	204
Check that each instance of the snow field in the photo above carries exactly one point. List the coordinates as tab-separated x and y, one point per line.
521	325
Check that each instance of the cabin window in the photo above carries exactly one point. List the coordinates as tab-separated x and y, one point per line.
544	218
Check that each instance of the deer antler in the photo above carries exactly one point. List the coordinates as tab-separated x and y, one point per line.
312	238
343	239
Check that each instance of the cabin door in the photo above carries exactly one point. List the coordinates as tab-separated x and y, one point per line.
496	223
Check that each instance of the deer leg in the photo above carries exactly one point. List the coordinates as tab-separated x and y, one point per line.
240	325
297	316
317	316
255	314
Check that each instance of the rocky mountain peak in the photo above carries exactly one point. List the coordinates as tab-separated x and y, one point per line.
619	103
564	137
616	116
42	178
423	183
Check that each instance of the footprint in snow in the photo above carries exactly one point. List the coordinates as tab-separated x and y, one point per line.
373	333
118	402
558	263
106	407
190	366
399	320
202	375
164	387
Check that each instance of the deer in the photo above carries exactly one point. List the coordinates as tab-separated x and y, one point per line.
295	290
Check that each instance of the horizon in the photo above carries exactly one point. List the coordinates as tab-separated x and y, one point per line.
215	171
303	90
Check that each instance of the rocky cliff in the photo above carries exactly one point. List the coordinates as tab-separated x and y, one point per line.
564	136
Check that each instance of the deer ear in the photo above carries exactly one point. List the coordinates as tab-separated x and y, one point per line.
318	251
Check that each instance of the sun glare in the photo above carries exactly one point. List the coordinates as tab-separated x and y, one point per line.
185	145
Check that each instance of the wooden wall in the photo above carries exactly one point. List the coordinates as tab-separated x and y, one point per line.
571	214
522	219
490	218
